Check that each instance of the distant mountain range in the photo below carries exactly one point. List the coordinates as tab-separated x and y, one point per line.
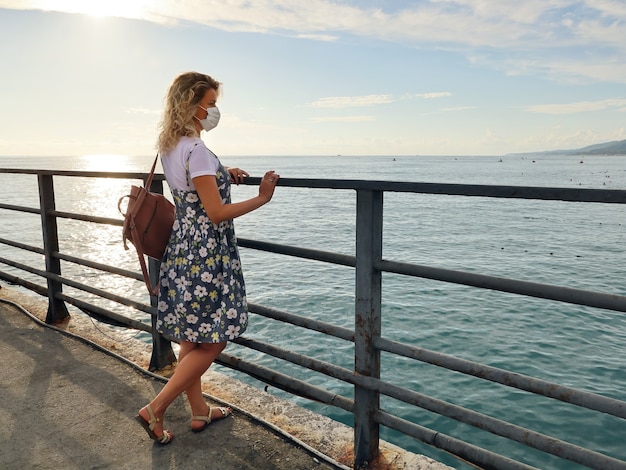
617	147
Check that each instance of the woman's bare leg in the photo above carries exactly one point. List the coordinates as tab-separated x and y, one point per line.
194	391
194	360
197	401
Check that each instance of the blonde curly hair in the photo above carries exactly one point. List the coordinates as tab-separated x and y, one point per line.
183	97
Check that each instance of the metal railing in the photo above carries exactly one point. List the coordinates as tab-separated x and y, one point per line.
369	265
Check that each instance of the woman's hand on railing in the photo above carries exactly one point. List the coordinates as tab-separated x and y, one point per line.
237	175
268	184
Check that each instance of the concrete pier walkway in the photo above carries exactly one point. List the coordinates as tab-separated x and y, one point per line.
67	401
66	404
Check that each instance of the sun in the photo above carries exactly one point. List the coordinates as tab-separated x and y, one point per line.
100	8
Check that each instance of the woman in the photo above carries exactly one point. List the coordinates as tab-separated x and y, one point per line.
202	298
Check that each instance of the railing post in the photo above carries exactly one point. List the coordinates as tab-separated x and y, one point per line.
162	353
369	245
57	310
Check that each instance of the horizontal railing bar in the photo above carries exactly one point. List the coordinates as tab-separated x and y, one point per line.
487	460
307	362
495	426
298	320
87	218
285	382
562	393
78	303
23	246
85	174
531	289
10	278
564	294
104	294
265	374
66	215
102	267
307	253
92	290
86	307
23	267
11	207
609	196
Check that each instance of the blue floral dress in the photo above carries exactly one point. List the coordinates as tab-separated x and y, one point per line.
202	296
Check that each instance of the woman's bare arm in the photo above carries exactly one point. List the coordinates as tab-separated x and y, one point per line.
207	189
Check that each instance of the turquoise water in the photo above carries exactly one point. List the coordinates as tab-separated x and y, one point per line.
568	244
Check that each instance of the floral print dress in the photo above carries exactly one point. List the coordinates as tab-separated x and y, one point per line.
202	296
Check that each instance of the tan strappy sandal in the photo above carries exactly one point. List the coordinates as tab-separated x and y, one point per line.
149	426
226	412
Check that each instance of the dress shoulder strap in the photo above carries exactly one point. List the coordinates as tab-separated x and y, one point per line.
187	165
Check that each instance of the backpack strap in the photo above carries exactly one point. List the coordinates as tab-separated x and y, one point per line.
139	199
142	261
129	226
144	269
149	180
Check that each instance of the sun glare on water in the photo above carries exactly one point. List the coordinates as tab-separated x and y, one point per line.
105	162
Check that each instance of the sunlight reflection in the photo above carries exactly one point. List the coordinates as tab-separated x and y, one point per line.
105	162
101	8
92	196
97	196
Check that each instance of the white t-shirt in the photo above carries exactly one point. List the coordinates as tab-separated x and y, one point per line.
201	162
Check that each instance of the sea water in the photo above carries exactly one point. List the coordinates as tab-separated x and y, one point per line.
568	244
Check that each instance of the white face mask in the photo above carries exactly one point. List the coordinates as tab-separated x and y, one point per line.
211	119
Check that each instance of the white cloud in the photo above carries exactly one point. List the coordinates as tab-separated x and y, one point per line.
432	96
531	30
504	23
609	8
319	37
458	108
579	107
343	119
351	101
371	100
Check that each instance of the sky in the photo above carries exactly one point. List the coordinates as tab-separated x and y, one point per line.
316	77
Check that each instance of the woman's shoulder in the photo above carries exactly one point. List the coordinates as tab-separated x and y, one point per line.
195	145
188	142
